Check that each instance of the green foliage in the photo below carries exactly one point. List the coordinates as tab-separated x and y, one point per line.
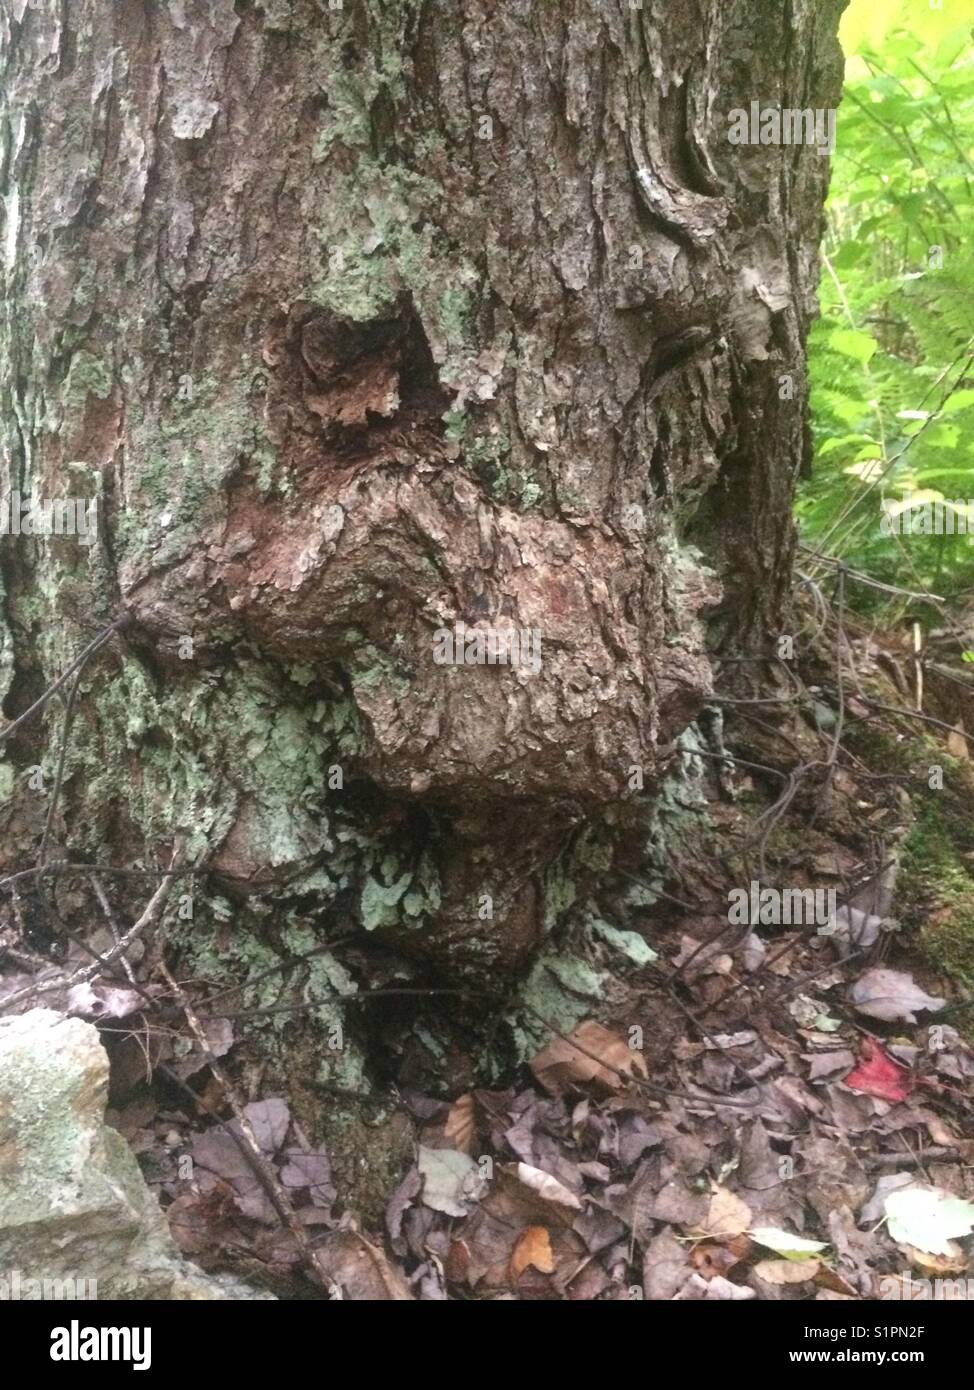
892	357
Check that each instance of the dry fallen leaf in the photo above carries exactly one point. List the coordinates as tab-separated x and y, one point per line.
941	1133
102	1001
591	1053
716	1290
878	1074
786	1271
928	1218
727	1216
361	1270
666	1266
483	1258
533	1248
832	1281
547	1187
952	1261
891	995
452	1182
460	1129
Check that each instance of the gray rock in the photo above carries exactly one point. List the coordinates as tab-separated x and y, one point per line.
73	1203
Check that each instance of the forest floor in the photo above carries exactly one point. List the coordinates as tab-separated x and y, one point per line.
754	1111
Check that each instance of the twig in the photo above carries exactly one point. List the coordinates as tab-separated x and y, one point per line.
916	714
867	580
840	645
106	908
93	646
102	962
247	1140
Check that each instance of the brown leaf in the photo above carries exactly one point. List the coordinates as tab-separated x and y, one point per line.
941	1133
829	1279
458	1262
533	1248
203	1224
705	958
728	1215
677	1204
716	1290
591	1053
361	1270
891	995
785	964
483	1258
547	1187
666	1266
101	1001
953	1263
787	1271
460	1129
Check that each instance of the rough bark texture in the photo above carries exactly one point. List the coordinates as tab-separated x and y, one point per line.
362	322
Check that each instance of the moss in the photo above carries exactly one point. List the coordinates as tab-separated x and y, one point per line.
936	893
87	375
947	940
379	234
264	460
454	314
199	753
38	1083
369	1150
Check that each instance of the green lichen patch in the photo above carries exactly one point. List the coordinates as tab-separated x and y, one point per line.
560	991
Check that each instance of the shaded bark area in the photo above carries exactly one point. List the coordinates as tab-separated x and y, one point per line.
361	323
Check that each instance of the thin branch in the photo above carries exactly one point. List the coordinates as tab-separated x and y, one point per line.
247	1140
93	646
102	962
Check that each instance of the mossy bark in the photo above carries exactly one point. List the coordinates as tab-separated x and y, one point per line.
357	322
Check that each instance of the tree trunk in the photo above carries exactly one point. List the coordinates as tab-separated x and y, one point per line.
358	323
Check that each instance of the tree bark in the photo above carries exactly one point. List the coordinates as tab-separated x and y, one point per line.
359	323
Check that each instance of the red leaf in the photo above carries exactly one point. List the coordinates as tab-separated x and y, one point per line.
878	1074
